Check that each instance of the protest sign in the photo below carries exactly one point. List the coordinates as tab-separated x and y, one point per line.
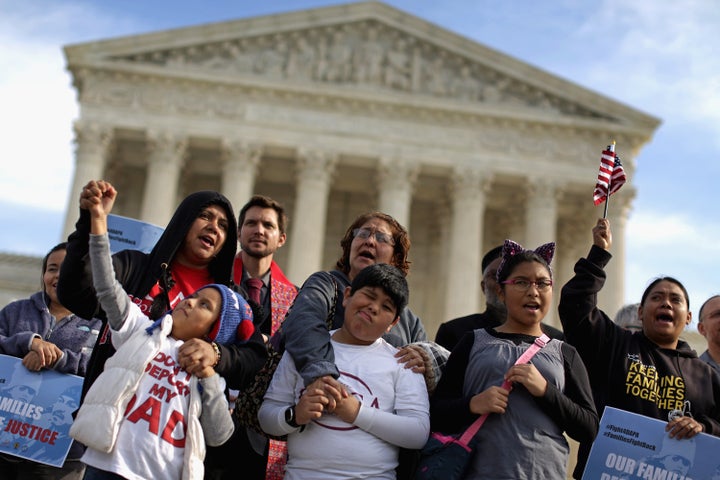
130	234
631	446
36	411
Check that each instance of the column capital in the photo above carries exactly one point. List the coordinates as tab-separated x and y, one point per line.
166	147
239	151
316	164
470	181
543	187
396	170
92	138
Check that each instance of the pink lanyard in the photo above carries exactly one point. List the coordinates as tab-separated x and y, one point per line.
539	343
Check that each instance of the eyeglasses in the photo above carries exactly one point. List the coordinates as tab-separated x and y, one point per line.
522	285
380	237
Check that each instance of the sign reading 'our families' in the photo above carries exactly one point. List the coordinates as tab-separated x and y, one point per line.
36	411
631	446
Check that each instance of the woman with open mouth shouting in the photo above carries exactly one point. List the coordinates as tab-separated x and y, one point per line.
650	372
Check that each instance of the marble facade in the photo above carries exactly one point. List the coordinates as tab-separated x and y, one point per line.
339	110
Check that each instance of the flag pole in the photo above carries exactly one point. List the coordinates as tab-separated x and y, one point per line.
607	197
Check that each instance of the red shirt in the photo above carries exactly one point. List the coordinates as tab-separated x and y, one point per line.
187	281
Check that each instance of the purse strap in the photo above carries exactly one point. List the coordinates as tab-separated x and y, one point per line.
539	343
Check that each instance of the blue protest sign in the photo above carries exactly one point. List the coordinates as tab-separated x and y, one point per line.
36	411
632	446
130	234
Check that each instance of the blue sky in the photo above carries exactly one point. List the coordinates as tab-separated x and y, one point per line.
658	56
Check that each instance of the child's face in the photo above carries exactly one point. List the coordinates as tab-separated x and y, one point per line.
527	308
369	313
194	316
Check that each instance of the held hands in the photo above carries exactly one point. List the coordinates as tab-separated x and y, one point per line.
346	405
602	236
326	394
197	357
683	427
42	354
333	391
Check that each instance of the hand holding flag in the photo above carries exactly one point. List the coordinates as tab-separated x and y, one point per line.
610	178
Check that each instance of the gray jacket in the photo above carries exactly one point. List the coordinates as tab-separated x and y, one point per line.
305	332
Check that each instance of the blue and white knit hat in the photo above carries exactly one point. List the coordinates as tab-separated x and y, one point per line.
235	323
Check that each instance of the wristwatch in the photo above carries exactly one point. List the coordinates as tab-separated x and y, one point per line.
290	417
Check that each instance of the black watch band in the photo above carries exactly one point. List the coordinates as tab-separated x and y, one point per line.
290	417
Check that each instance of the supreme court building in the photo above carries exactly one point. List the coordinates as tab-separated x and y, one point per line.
340	110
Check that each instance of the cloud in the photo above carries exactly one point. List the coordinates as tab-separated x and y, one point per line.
661	56
38	101
39	108
674	245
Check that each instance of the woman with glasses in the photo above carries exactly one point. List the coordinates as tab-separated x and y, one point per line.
46	335
372	238
650	372
530	405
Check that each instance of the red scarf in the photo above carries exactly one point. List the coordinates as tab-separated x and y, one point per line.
282	292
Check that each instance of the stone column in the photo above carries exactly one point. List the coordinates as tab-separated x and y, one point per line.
239	167
469	187
612	296
307	240
92	144
396	178
541	213
166	154
574	240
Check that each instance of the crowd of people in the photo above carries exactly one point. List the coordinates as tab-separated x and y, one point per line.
166	340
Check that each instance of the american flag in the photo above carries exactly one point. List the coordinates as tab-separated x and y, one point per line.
611	176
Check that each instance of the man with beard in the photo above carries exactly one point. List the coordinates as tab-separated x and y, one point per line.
261	229
262	225
450	332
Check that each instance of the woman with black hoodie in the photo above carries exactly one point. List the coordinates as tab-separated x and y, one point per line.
197	247
650	372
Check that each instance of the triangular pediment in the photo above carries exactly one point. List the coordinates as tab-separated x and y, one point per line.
367	47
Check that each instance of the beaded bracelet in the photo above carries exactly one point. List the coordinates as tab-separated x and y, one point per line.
217	353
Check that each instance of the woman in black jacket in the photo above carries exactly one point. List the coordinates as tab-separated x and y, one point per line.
650	372
196	248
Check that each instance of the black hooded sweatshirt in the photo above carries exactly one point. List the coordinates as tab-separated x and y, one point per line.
138	272
627	370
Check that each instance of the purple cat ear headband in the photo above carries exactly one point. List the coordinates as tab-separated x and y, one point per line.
510	249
